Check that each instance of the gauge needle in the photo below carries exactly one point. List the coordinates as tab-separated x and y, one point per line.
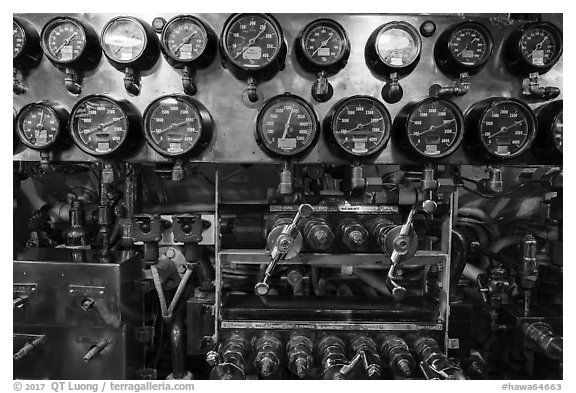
184	42
121	46
65	43
102	126
41	121
251	42
323	44
287	125
504	129
172	126
363	125
432	128
538	46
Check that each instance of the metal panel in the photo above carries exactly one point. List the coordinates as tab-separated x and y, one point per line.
61	355
62	286
220	92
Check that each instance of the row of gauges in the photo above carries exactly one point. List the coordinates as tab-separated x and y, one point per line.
253	48
356	127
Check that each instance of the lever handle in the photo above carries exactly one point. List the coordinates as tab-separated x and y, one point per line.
95	350
284	243
29	346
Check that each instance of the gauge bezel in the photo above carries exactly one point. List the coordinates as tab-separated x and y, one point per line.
545	147
330	121
207	31
31	53
23	39
555	33
450	64
313	65
374	59
60	114
204	119
473	122
45	36
515	59
129	19
261	140
262	73
401	125
269	18
123	105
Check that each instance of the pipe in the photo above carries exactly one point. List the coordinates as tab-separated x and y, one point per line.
471	272
370	279
480	215
177	345
505	242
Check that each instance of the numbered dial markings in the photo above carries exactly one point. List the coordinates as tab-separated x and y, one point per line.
324	44
38	126
185	39
64	40
361	126
173	126
539	46
99	125
398	44
18	38
469	46
124	40
557	127
506	129
252	41
434	128
287	126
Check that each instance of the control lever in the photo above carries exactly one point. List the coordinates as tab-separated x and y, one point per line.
95	350
29	346
401	246
283	245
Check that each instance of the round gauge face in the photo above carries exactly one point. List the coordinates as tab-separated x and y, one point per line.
99	125
324	43
172	125
18	38
252	41
539	46
398	44
506	129
434	128
124	39
469	46
287	125
557	127
184	39
38	126
361	126
64	40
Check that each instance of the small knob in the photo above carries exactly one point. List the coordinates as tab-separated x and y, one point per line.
87	304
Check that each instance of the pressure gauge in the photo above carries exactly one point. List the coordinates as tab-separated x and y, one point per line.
102	126
71	42
358	126
186	39
500	128
323	45
252	45
393	47
465	47
286	126
177	125
534	47
131	46
26	48
42	125
548	145
431	128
